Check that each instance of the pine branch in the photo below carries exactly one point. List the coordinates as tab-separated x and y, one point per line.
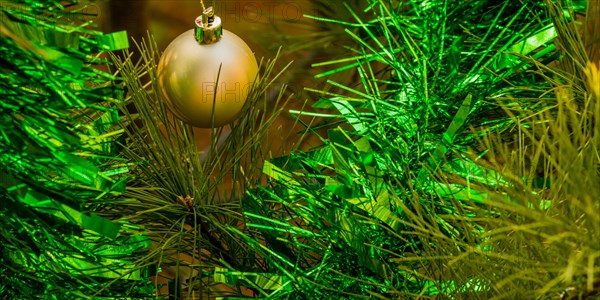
180	192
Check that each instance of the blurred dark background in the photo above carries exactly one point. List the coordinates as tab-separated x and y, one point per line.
257	22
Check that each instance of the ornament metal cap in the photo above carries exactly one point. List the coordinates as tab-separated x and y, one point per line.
208	27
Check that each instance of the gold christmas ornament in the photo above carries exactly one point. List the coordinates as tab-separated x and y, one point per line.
188	71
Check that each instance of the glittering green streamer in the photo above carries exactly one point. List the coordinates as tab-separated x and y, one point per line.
264	281
113	41
59	161
425	79
44	204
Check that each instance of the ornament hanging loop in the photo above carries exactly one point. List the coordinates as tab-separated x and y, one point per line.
208	27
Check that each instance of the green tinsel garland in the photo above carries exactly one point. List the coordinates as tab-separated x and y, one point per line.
375	211
58	159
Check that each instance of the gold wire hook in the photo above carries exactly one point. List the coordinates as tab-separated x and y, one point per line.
210	13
